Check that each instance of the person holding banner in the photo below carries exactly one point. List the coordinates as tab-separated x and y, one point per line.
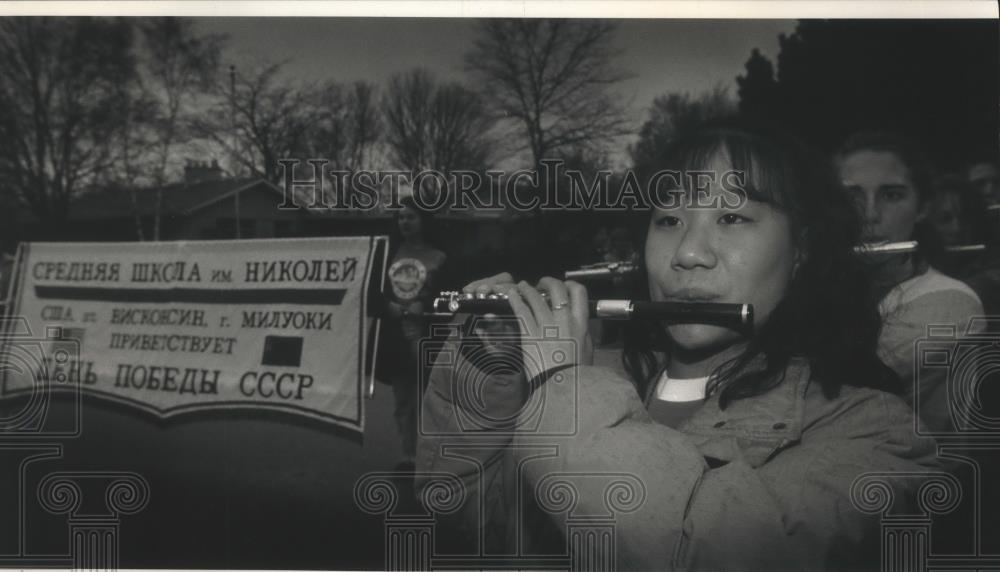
739	446
887	178
414	274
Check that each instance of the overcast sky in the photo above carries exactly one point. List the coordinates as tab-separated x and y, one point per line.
664	55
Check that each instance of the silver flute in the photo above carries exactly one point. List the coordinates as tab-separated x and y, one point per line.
611	269
911	246
601	270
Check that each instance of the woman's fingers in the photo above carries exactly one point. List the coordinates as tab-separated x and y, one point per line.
559	298
487	329
579	302
489	285
560	303
521	310
564	305
540	310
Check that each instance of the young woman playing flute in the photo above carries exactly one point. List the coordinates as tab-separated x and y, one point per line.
746	442
886	178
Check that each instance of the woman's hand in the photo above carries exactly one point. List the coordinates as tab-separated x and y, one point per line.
565	310
546	324
494	333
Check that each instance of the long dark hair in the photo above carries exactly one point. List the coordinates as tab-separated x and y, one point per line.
829	315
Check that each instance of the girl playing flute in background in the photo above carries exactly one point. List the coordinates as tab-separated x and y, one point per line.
887	179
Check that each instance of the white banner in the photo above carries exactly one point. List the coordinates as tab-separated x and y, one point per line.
176	327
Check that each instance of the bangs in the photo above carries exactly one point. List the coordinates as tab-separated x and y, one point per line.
763	174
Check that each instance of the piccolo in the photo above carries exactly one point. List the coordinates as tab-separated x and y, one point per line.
716	313
911	246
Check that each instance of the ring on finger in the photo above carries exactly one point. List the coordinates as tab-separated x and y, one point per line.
560	305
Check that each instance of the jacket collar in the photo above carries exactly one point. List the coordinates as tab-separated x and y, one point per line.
752	429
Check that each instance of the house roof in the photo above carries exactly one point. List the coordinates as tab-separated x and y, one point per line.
178	198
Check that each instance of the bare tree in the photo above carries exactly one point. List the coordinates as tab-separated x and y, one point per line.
260	118
363	123
348	126
554	78
671	116
407	111
460	128
178	66
60	104
134	141
433	125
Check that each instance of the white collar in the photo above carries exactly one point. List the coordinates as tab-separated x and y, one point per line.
680	390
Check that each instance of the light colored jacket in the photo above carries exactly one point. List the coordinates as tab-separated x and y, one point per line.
928	299
762	485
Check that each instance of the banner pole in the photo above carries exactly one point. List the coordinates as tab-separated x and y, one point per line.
382	241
